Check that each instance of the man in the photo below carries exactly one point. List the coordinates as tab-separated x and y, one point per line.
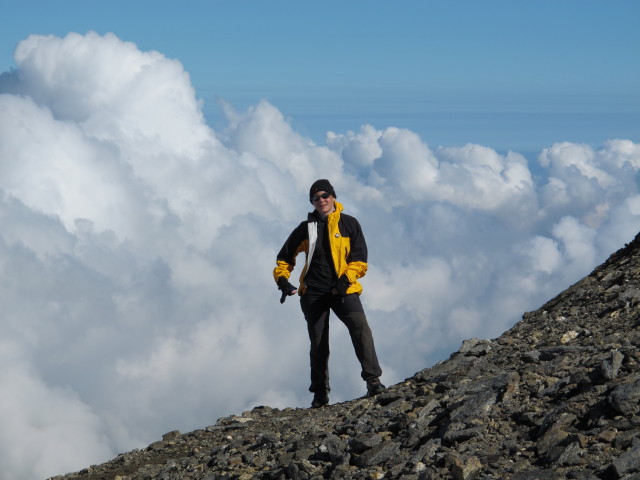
336	256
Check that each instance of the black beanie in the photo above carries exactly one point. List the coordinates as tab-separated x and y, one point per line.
321	185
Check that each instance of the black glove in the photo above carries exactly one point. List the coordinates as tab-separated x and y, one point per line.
286	288
343	284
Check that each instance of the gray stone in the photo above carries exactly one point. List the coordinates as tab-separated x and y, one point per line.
625	398
538	474
571	456
475	347
628	462
464	468
378	454
610	367
364	442
334	447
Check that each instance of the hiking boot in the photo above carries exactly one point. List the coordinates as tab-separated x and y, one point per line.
320	400
374	387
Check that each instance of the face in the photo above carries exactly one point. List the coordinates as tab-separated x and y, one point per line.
324	206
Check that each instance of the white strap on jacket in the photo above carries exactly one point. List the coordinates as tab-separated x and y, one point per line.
313	238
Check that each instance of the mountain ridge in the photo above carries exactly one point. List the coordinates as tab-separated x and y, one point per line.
556	396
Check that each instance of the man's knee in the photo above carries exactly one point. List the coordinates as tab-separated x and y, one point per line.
358	319
358	326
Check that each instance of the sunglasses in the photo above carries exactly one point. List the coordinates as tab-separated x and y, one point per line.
324	196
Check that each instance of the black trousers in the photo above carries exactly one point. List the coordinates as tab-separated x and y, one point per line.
348	308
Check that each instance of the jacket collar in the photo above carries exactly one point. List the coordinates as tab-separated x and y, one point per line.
315	217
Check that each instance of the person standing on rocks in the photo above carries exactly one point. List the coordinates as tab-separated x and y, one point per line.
336	256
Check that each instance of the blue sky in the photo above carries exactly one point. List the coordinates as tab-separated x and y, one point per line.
489	149
509	75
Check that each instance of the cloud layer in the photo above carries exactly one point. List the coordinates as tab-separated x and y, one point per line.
137	246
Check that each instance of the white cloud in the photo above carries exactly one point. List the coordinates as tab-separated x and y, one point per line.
585	183
577	240
359	151
45	428
565	159
137	248
544	254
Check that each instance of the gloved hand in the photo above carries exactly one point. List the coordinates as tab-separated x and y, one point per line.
343	284
286	288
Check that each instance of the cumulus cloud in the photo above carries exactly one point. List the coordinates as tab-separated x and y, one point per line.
138	243
44	427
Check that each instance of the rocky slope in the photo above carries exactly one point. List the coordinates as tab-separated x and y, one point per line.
557	396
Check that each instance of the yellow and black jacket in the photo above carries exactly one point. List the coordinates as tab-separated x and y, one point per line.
348	249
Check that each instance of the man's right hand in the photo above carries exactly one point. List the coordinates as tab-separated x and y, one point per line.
286	288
